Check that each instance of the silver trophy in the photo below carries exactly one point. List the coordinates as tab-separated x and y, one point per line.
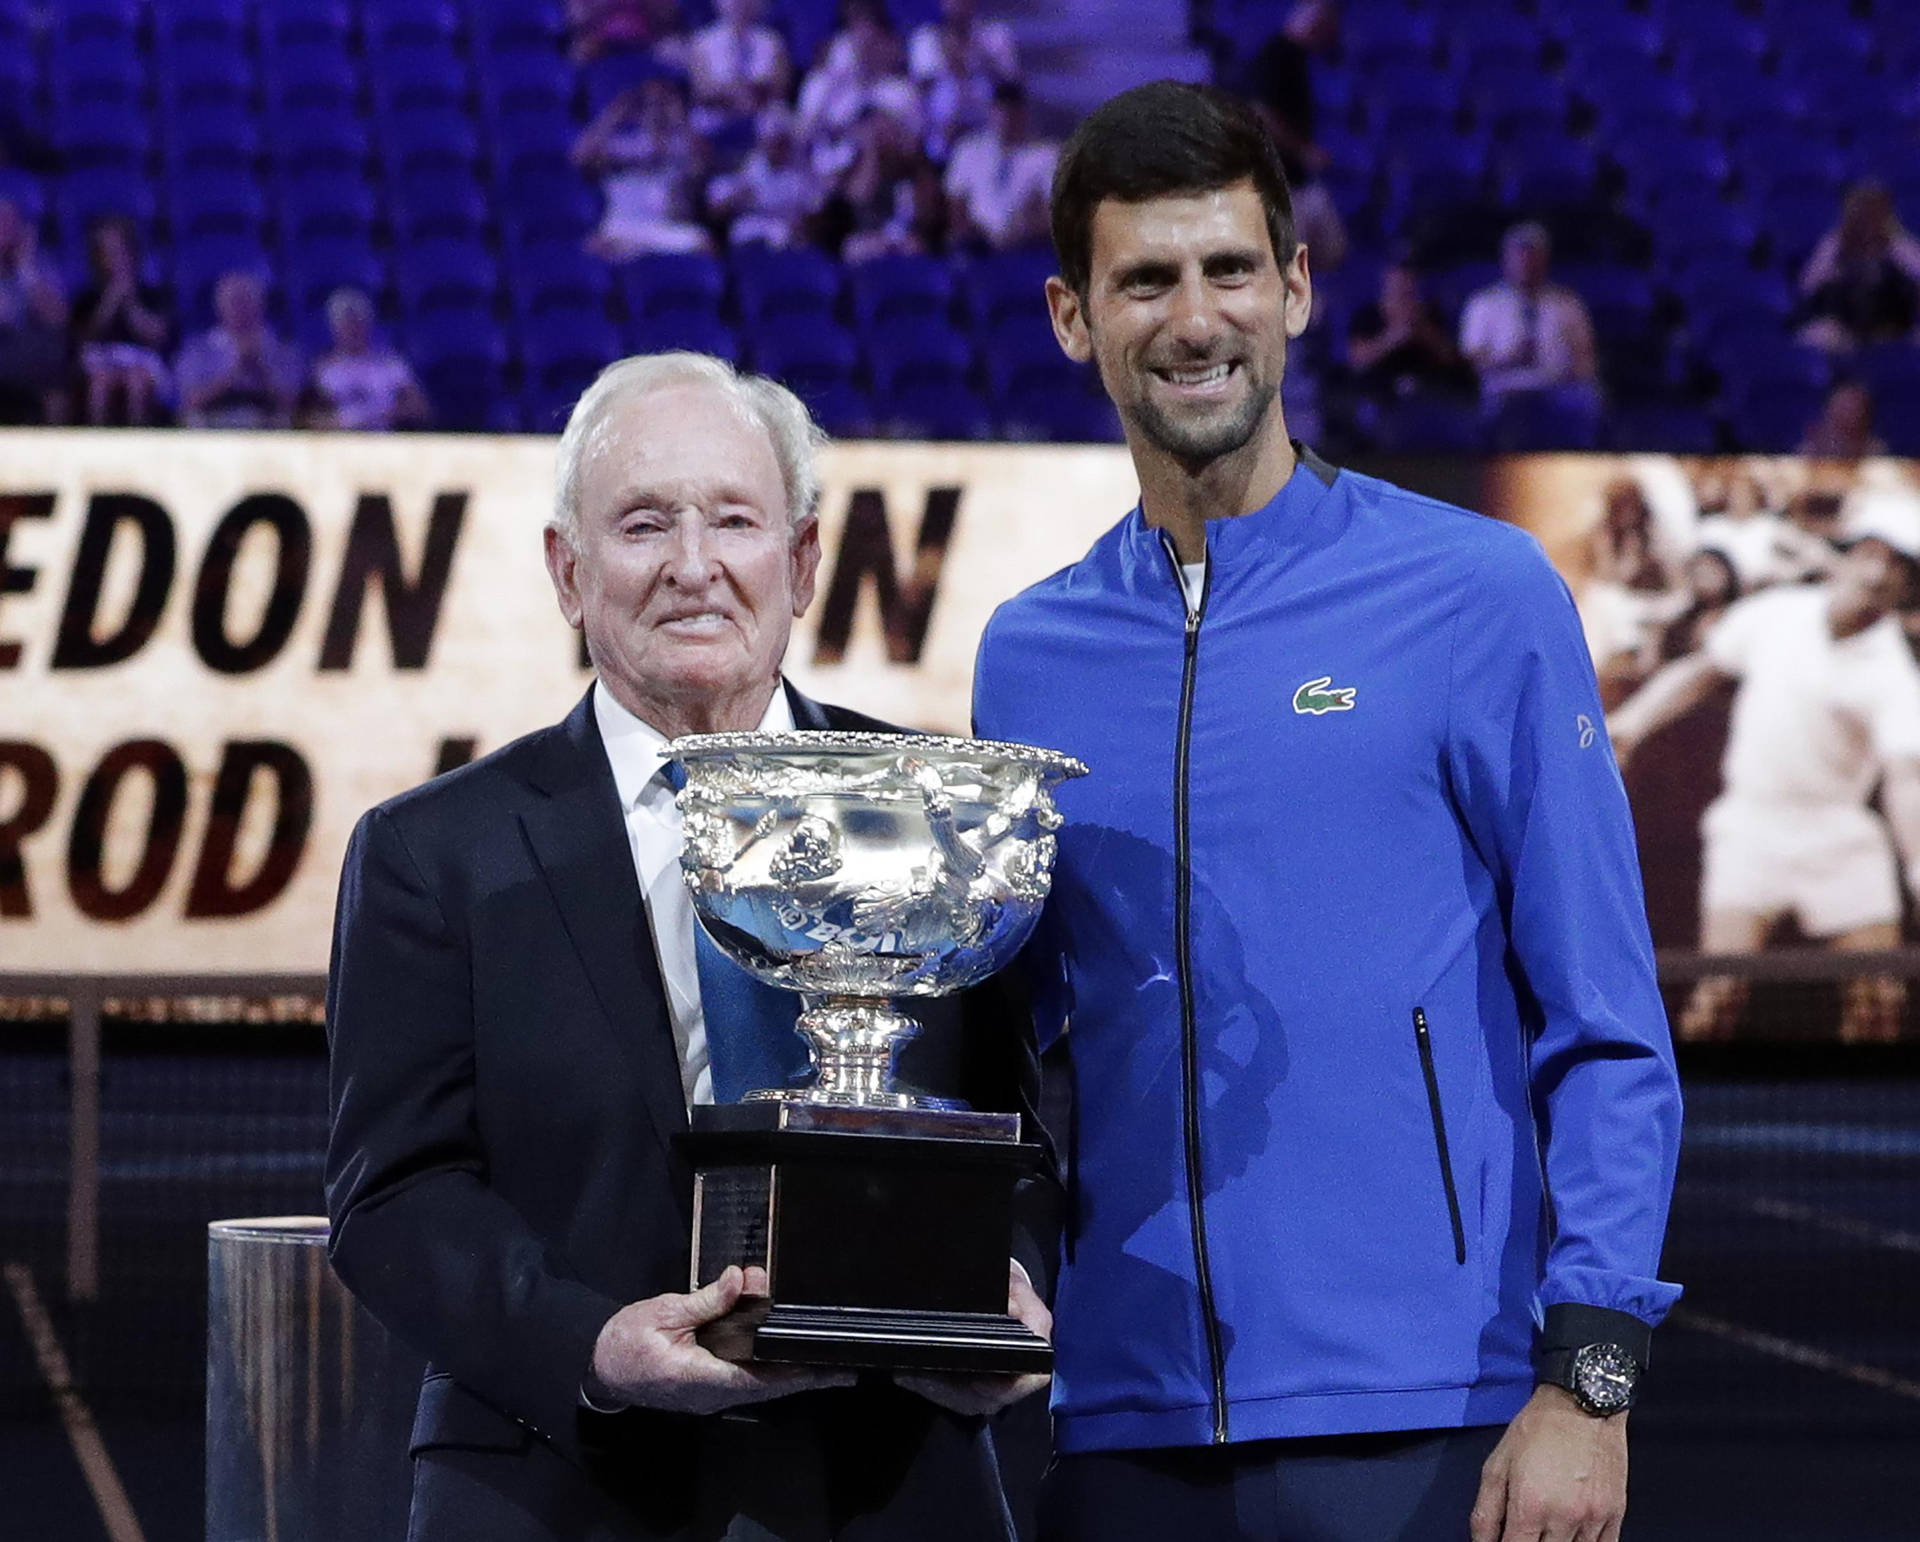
861	869
858	868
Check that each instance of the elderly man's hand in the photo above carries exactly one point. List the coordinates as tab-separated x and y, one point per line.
1558	1475
647	1357
977	1395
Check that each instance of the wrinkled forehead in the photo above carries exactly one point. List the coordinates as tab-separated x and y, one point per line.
681	439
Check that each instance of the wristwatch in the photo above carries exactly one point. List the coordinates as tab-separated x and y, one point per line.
1603	1378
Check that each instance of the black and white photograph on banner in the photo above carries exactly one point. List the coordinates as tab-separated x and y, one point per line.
1754	624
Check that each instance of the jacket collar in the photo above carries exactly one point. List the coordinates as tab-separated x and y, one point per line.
1301	517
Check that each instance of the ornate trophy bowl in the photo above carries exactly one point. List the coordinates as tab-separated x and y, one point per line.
857	868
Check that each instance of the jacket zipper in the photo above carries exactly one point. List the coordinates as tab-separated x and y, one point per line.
1189	1031
1425	1040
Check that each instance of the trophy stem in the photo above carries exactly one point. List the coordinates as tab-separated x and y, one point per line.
853	1041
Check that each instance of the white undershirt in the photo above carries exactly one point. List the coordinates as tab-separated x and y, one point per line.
653	830
1193	578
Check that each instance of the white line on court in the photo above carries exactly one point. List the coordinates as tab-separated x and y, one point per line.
1839	1225
88	1448
1796	1353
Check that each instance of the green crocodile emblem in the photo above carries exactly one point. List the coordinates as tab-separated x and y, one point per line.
1315	697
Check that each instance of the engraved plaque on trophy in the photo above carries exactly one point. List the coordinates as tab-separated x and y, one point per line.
858	870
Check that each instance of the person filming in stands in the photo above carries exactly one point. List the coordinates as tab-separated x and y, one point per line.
1346	934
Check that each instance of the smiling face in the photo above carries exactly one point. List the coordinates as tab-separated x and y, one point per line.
1187	314
684	572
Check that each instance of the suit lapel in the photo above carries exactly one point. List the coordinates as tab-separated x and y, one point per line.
580	843
808	714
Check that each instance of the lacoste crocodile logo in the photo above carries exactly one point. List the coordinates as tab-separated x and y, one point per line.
1315	697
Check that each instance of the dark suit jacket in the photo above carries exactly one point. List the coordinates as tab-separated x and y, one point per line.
503	1175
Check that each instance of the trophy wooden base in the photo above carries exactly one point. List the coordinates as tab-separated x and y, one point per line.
884	1233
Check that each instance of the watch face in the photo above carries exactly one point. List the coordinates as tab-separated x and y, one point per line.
1604	1378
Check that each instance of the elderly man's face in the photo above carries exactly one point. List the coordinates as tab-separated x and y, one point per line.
685	574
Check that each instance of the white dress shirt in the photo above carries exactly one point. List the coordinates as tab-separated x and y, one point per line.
634	750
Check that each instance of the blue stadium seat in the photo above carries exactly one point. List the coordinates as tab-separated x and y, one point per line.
672	330
540	83
1774	422
317	266
216	204
770	284
201	72
103	135
198	265
804	351
936	410
1665	428
546	277
1517	102
78	19
1064	416
316	74
1019	356
1426	425
1533	422
428	139
502	25
288	24
202	21
1008	284
212	137
565	349
1657	105
887	290
1890	370
95	69
539	137
923	352
422	205
681	283
1545	172
432	274
553	207
417	76
838	406
85	195
326	203
418	22
25	192
1771	153
454	338
318	138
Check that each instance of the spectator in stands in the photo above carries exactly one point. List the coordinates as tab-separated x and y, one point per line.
1000	179
123	326
1862	283
649	160
888	200
960	42
1526	334
600	27
361	384
1844	428
33	325
774	194
240	374
1279	82
737	67
860	70
1397	347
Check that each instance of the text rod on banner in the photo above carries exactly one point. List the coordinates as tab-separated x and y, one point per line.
218	650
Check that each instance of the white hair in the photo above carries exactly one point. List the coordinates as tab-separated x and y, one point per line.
796	439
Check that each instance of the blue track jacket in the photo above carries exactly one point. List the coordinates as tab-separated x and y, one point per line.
1370	1069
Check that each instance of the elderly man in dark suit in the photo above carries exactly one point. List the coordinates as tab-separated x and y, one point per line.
519	1024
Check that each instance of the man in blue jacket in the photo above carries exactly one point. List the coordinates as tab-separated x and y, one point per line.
1376	1113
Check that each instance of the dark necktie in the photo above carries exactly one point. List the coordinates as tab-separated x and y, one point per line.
750	1039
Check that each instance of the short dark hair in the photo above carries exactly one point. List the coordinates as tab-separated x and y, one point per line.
1154	141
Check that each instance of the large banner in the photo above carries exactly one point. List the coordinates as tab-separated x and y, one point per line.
217	650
